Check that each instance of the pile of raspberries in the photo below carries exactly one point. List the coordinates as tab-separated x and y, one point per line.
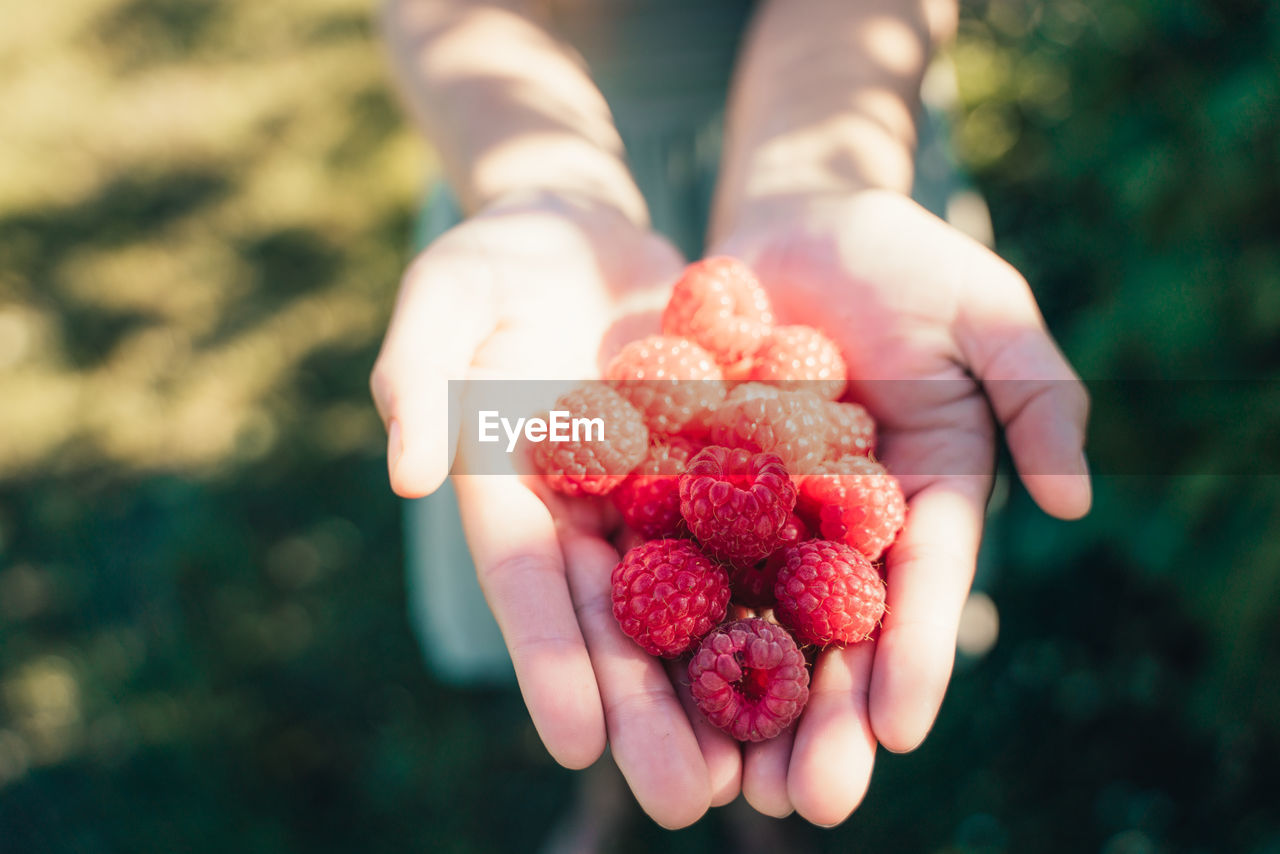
729	450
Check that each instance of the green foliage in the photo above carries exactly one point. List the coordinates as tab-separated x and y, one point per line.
1134	175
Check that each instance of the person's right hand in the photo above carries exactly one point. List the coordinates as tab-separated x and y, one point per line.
543	288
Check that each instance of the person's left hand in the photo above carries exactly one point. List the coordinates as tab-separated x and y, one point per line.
939	333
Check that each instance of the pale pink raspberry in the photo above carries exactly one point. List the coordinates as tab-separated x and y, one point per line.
801	357
670	380
719	304
790	424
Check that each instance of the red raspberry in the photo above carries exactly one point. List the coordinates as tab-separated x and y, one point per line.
720	305
667	595
856	501
801	357
736	502
850	430
829	593
758	417
752	585
670	380
594	465
649	499
749	678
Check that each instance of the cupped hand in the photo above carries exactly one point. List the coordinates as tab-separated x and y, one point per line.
529	289
940	335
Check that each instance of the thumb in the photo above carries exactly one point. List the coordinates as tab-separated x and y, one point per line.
1035	394
441	317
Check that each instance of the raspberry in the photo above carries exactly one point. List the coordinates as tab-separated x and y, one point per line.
667	595
649	499
594	464
801	357
698	428
752	584
736	502
746	391
720	305
670	380
856	501
828	593
850	430
749	678
758	417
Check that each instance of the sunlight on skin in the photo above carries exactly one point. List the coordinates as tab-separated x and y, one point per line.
888	41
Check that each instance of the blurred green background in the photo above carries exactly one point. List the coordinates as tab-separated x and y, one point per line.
204	209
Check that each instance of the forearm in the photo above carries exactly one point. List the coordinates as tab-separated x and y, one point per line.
508	109
825	98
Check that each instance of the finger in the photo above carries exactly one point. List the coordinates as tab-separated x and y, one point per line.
721	752
834	747
1033	390
929	571
441	317
650	735
764	775
521	571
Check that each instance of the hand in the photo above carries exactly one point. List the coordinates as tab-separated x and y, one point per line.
939	333
530	289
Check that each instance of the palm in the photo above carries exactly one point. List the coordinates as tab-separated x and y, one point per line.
895	310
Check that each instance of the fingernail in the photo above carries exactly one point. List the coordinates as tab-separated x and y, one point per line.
1084	466
395	448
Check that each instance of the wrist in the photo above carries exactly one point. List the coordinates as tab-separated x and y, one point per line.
775	195
850	153
824	102
602	211
572	171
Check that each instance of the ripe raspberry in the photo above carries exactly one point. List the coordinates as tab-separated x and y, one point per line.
649	499
856	501
850	430
667	595
594	464
752	584
736	502
670	380
749	678
829	593
720	305
758	417
801	357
